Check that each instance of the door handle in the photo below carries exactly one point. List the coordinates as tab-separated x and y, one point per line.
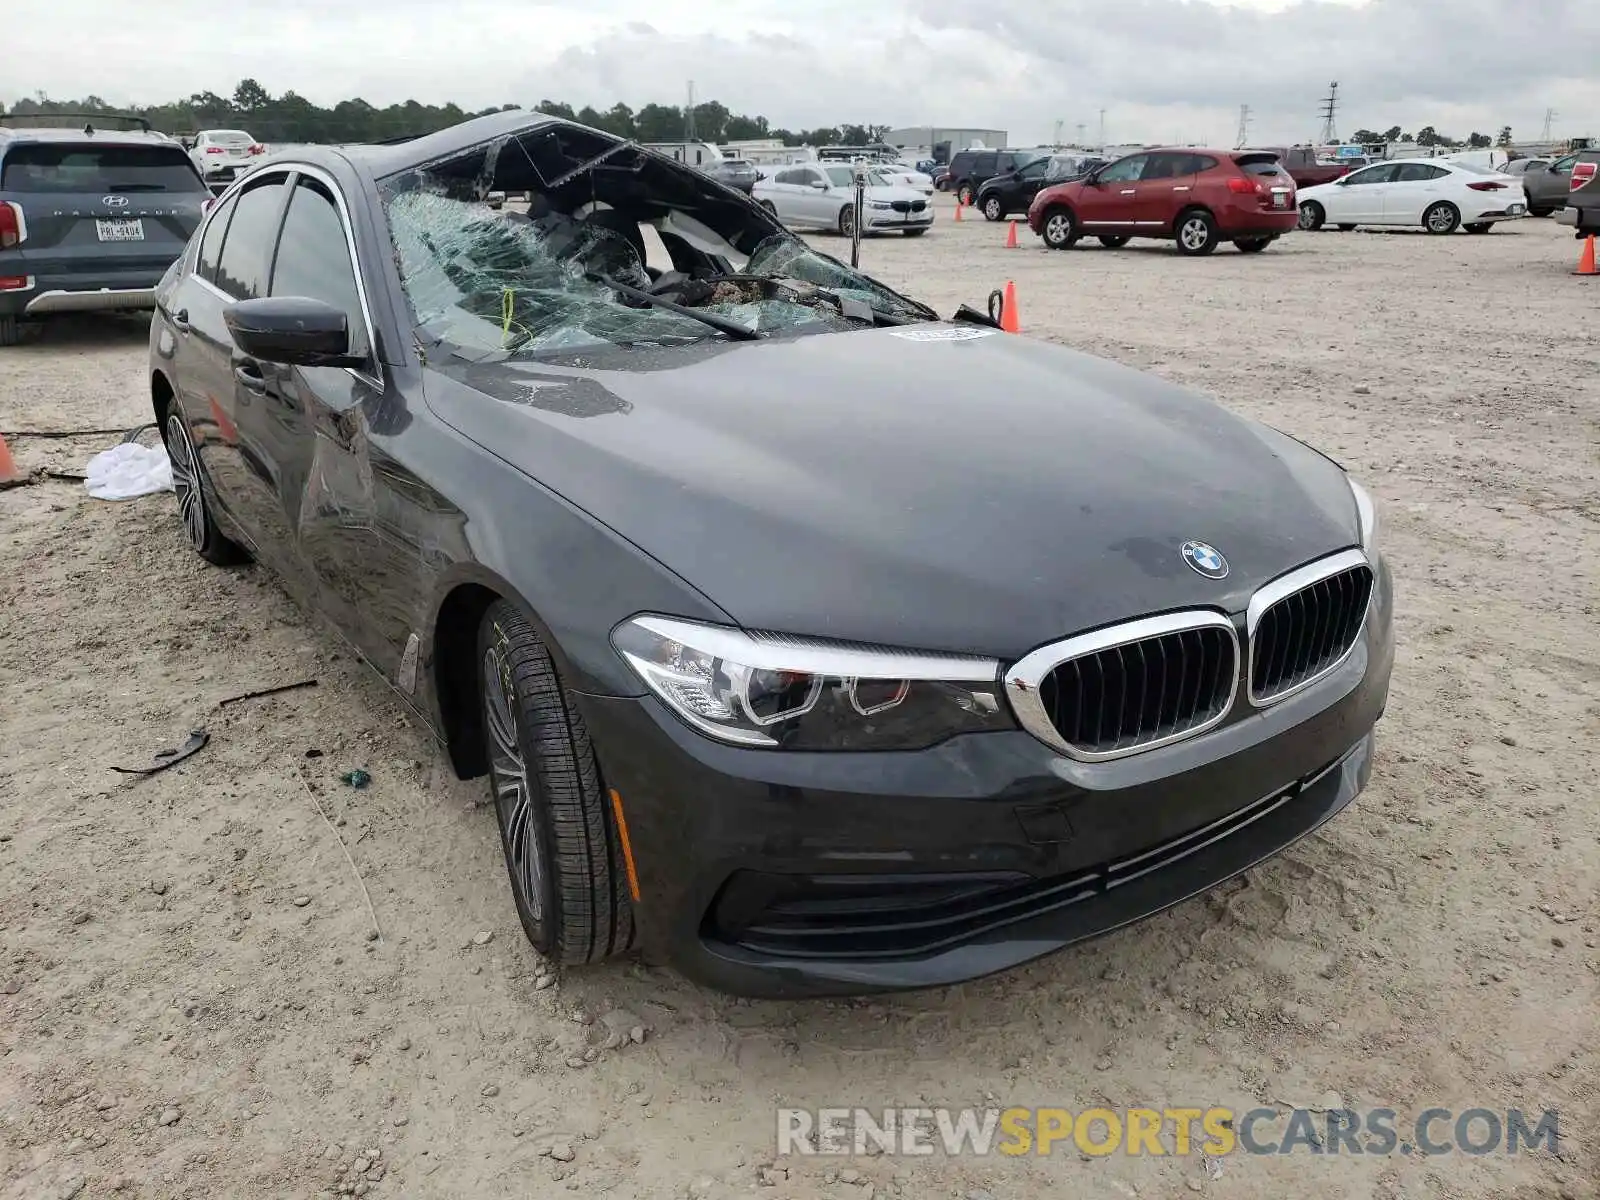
249	375
1128	191
180	320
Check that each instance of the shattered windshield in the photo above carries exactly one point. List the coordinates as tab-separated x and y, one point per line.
634	250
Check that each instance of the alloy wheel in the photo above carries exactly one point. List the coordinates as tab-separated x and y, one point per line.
1441	219
1057	229
508	773
186	481
1194	233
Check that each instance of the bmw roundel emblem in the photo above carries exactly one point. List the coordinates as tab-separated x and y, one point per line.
1206	560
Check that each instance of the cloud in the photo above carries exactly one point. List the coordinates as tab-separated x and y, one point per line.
1162	69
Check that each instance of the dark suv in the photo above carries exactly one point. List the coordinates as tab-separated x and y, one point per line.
1582	209
969	168
90	218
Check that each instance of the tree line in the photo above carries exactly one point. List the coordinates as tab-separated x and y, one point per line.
1429	136
292	118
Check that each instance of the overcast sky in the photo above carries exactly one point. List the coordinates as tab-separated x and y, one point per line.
1164	70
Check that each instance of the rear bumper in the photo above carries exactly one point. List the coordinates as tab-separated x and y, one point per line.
812	874
96	291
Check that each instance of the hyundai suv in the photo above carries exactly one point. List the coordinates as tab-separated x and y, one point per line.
90	219
1197	198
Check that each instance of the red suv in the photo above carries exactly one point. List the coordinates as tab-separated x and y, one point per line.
1197	197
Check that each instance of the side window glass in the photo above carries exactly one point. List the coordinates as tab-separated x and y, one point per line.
1125	171
314	257
1160	166
984	163
247	247
1563	166
205	264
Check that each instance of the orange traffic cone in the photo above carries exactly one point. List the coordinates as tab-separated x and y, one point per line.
1011	237
1008	312
1586	259
8	468
958	210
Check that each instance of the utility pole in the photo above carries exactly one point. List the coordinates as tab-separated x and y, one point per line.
1243	135
688	116
1330	106
1549	120
1059	124
1081	128
1102	130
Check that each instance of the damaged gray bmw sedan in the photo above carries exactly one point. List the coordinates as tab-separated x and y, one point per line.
813	681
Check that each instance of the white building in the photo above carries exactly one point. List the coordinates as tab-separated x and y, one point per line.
935	141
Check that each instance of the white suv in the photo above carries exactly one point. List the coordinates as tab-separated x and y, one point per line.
220	154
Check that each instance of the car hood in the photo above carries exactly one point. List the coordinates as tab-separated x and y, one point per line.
878	191
811	485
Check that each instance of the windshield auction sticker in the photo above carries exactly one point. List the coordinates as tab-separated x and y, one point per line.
955	333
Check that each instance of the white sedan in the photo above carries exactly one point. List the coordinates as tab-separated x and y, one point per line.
1437	194
822	196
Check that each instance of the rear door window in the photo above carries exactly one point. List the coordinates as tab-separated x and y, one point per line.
983	164
1166	166
206	261
97	170
1382	173
247	247
1418	173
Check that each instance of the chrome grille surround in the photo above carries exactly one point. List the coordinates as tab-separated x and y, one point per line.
1025	681
1297	583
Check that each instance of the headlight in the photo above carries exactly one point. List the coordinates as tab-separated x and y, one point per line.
774	691
1367	512
880	204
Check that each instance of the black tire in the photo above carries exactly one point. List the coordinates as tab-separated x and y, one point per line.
1346	228
194	509
568	876
1539	212
914	232
993	209
847	220
1196	232
1441	218
964	193
1112	241
1479	226
1060	229
1252	245
8	331
1312	216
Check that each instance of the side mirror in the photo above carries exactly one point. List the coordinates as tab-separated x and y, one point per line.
819	185
295	330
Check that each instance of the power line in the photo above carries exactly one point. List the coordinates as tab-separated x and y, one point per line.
1330	106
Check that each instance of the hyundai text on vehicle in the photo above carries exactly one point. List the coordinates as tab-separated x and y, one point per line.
821	683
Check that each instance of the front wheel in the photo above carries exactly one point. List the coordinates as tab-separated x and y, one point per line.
1060	230
198	522
1442	217
1252	245
1197	233
562	850
1479	226
1312	216
1112	242
847	220
993	209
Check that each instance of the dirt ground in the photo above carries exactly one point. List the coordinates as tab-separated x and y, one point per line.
191	1006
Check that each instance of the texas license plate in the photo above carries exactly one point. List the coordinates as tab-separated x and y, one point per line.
120	231
1515	210
1280	200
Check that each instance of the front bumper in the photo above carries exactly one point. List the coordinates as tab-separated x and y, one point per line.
806	874
879	221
